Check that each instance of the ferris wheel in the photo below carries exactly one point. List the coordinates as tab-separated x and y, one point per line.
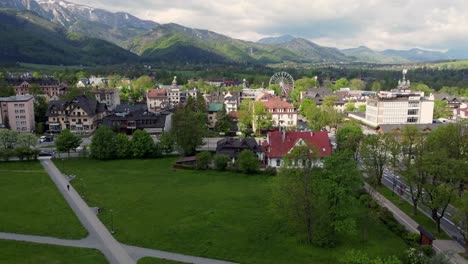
284	80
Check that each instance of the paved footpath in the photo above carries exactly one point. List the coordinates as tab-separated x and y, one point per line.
99	237
449	247
112	249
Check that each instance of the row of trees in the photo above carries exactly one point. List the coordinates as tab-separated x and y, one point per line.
319	117
106	145
318	201
247	162
433	166
20	145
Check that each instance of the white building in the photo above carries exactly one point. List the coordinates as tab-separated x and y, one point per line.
110	97
255	94
283	114
230	103
399	106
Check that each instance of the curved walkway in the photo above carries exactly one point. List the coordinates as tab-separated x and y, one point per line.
99	238
112	249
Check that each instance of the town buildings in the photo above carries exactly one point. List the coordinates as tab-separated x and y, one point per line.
399	107
283	114
156	99
213	110
127	121
232	147
17	113
81	115
50	87
279	143
110	97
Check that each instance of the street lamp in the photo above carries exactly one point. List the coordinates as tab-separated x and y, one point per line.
112	222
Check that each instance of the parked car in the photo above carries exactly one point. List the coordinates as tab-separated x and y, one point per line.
46	153
46	139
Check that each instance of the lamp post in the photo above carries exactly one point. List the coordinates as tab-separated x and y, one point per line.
112	222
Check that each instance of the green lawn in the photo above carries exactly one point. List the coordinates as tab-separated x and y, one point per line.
226	216
406	207
157	261
31	253
31	204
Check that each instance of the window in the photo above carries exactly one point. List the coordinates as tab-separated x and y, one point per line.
278	162
412	111
412	119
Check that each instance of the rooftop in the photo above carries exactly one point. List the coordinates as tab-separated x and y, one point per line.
16	98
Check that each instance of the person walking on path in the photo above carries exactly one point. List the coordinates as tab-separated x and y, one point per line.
68	187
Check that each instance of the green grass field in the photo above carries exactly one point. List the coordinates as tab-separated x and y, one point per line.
31	204
420	218
226	216
14	252
157	261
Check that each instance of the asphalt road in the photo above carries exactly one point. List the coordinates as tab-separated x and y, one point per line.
447	223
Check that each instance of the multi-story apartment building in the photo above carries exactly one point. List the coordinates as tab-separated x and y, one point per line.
81	115
283	114
399	107
17	113
157	99
50	87
110	97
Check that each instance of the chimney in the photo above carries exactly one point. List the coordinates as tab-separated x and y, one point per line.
311	133
283	135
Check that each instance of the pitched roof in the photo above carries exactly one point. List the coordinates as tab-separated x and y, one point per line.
277	103
279	143
387	128
215	107
156	93
233	146
90	106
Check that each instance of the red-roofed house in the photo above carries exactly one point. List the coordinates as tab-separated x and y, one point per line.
156	99
283	114
280	143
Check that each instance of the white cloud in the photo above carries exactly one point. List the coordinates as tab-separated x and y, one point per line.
378	24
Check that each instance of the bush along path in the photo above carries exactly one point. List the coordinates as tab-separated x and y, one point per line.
450	247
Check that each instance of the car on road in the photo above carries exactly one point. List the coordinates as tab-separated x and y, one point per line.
46	153
43	139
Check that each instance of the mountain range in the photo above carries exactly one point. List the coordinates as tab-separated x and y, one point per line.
67	33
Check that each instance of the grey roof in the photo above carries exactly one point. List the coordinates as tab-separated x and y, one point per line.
90	106
130	108
16	98
143	119
233	146
386	128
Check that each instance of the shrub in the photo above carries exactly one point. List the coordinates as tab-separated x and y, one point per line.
221	161
270	171
248	162
203	160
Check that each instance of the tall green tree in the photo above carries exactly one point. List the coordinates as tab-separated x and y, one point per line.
103	145
8	138
26	140
376	86
374	152
166	142
123	147
349	137
341	83
445	163
67	141
245	116
261	117
411	167
248	162
318	202
357	84
188	129
441	109
142	144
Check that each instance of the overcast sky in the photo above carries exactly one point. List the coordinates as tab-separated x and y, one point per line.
378	24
